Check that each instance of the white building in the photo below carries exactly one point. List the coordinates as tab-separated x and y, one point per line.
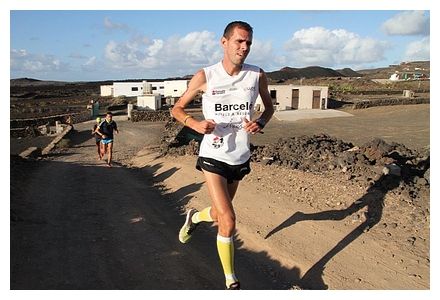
106	90
169	88
394	77
175	88
129	89
286	97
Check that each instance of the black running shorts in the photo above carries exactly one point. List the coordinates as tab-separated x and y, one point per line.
230	172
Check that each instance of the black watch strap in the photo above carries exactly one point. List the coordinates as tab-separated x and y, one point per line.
261	122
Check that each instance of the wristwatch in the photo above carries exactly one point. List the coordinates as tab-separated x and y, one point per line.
261	122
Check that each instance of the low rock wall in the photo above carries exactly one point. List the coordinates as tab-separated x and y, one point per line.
150	115
28	127
388	102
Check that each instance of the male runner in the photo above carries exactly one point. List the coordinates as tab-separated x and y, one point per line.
230	89
105	130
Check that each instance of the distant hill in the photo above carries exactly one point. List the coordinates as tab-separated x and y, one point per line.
285	73
310	72
33	82
347	72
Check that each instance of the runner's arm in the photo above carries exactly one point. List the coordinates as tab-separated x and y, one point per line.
265	97
257	125
99	132
195	86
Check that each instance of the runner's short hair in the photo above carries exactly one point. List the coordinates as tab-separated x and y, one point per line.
109	113
240	24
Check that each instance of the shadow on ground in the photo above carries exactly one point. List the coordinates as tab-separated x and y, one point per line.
91	227
372	200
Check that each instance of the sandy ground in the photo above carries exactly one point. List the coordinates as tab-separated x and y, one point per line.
406	124
309	234
76	224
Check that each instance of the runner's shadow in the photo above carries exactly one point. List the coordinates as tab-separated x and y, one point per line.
183	196
77	137
373	200
165	174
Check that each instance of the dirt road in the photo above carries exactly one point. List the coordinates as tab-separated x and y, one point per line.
80	225
77	224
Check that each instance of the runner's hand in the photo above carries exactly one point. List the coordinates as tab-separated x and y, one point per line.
251	126
205	126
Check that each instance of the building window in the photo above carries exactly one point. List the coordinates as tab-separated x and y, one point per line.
273	94
134	89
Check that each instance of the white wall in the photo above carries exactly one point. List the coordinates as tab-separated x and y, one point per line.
106	90
127	89
149	101
170	88
158	88
175	88
306	96
284	96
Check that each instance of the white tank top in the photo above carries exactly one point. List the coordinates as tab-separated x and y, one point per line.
228	100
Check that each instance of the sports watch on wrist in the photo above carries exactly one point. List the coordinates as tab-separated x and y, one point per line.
261	122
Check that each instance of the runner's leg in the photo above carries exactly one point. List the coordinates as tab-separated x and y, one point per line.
98	145
102	149
219	191
232	189
110	152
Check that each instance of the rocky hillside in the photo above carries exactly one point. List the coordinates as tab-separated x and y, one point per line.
322	154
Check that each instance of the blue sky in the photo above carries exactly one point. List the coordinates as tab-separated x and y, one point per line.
85	45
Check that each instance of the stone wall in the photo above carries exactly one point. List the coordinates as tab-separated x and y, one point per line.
76	118
386	102
385	92
28	127
23	132
150	115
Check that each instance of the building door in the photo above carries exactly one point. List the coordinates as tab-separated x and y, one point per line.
295	98
316	103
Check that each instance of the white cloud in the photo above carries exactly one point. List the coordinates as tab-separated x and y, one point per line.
418	50
175	55
126	54
155	47
178	55
324	47
262	55
22	61
18	53
196	47
407	23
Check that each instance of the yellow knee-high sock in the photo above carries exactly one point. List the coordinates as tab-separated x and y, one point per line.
202	216
225	247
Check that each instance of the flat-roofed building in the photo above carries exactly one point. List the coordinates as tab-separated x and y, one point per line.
287	97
